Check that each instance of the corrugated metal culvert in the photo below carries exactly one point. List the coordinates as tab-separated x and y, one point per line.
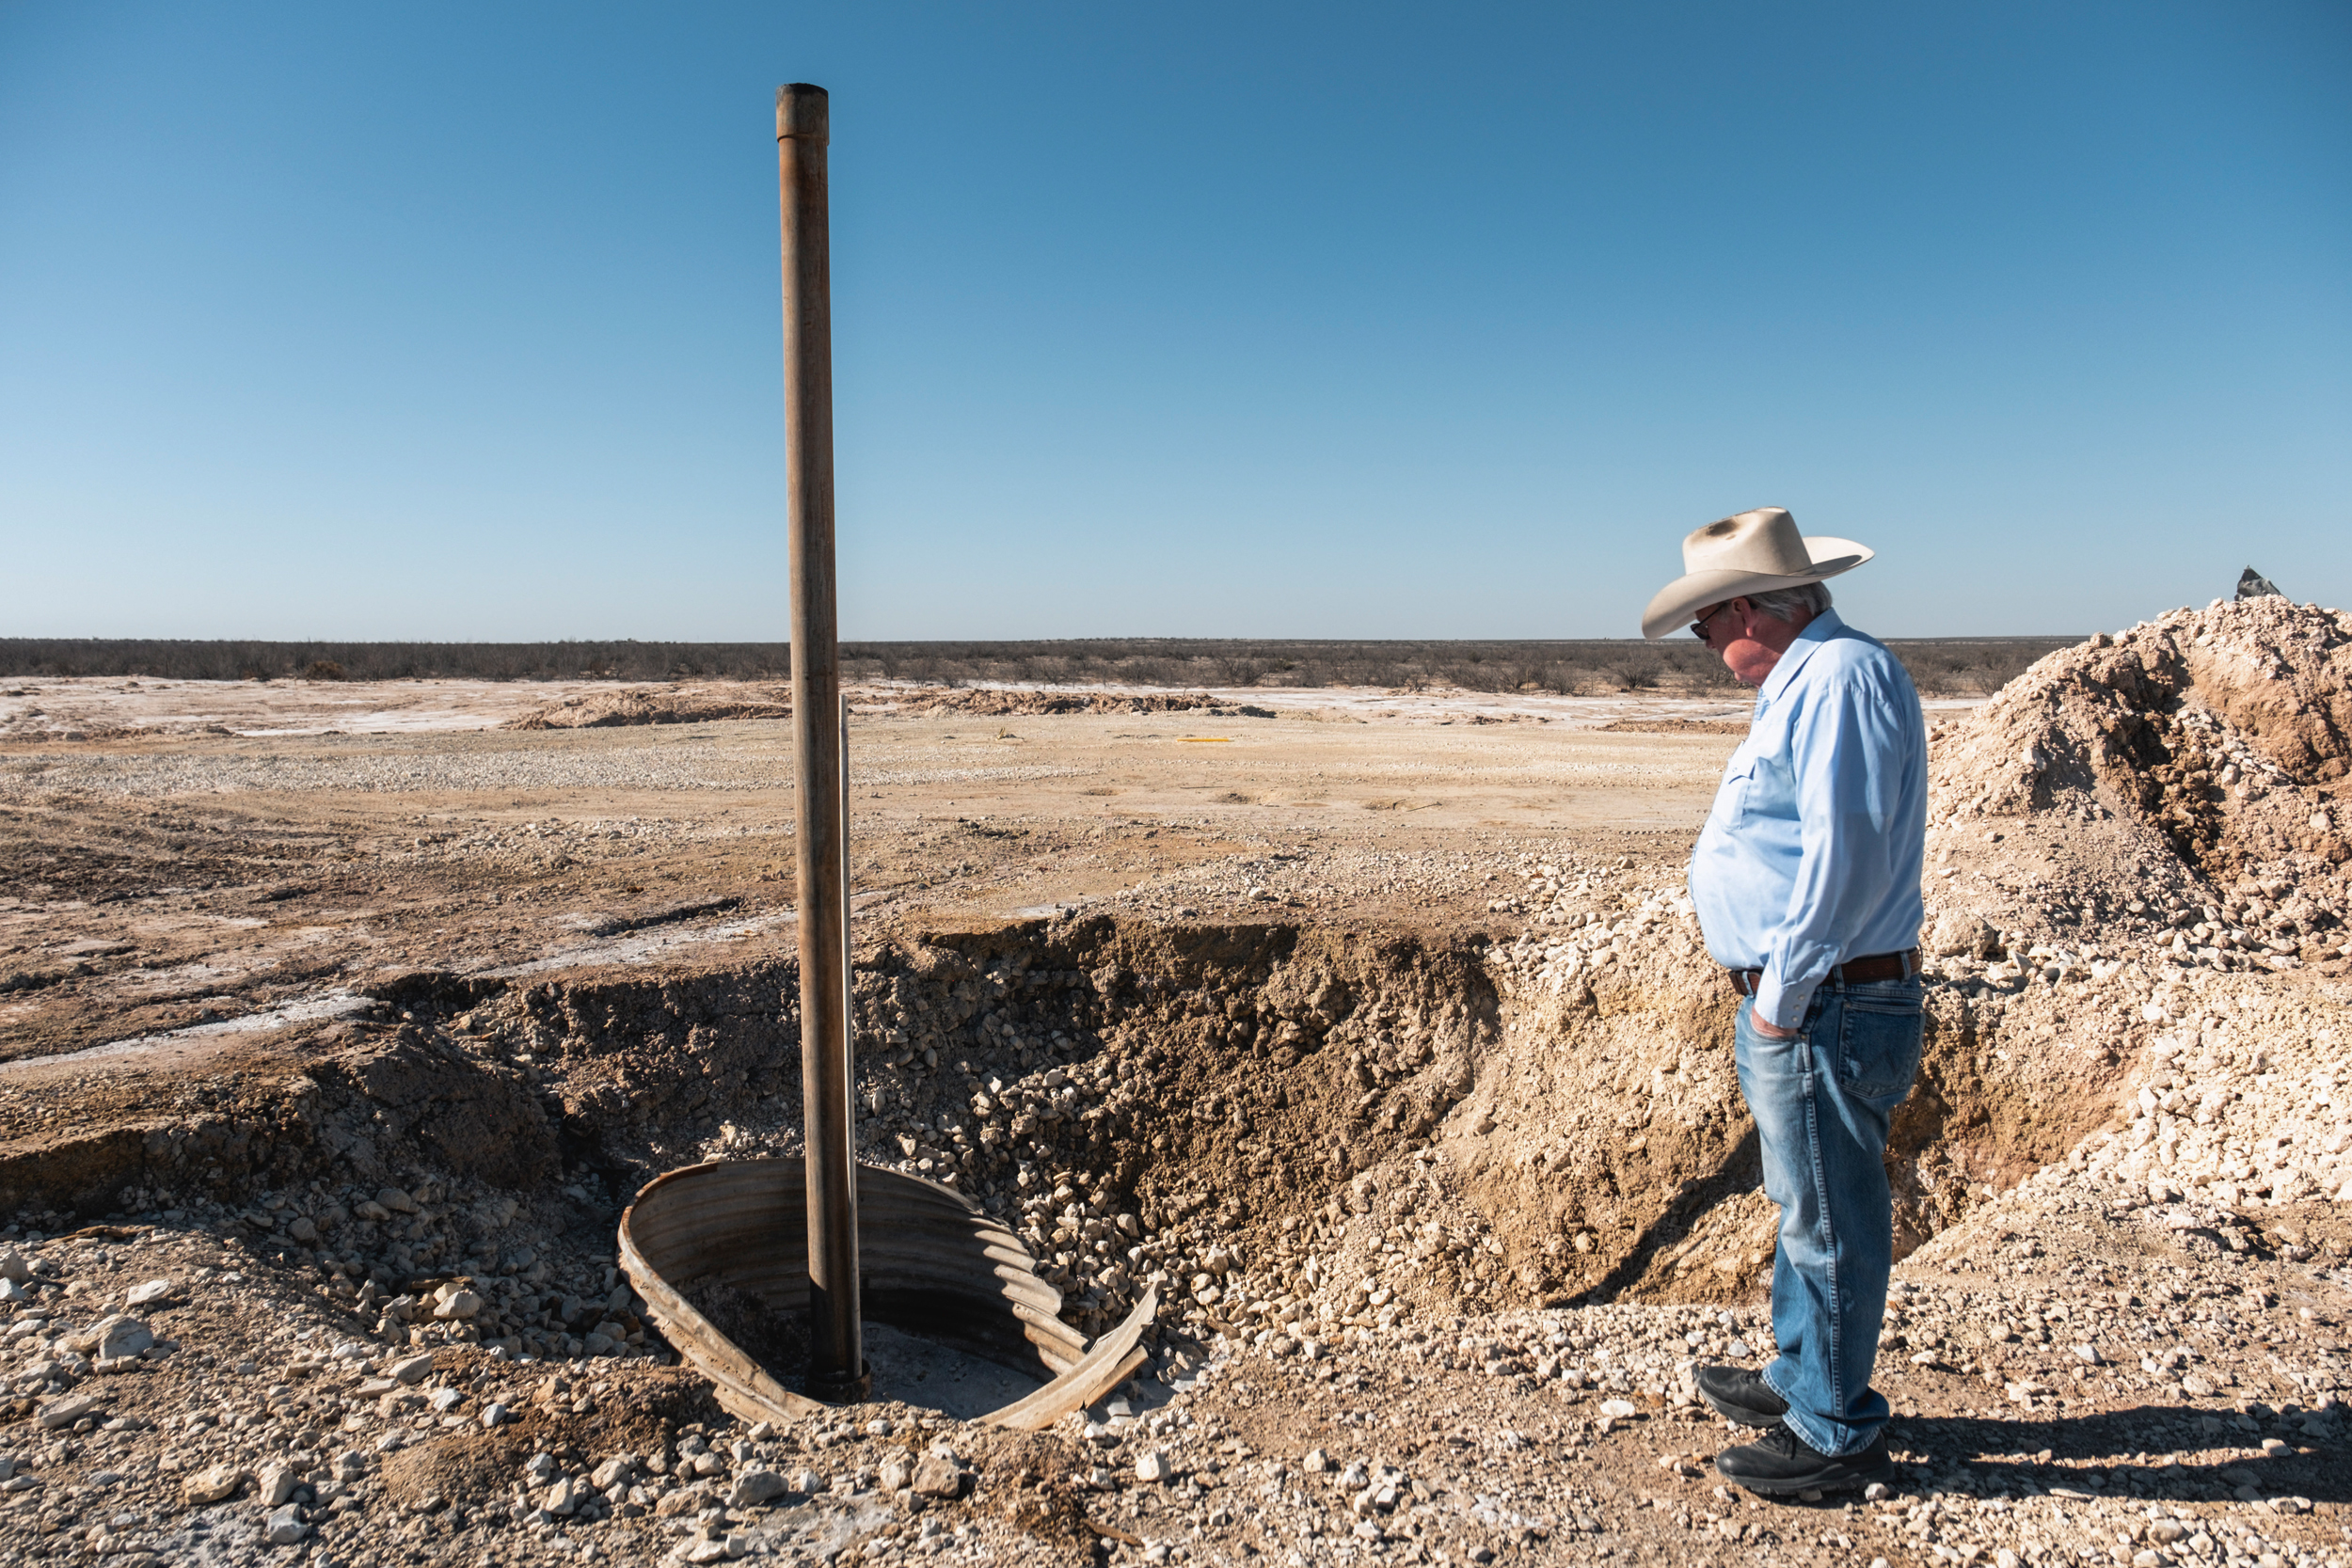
931	1263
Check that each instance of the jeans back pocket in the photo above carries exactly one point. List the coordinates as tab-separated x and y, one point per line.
1881	1028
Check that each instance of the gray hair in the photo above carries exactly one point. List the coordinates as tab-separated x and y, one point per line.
1786	604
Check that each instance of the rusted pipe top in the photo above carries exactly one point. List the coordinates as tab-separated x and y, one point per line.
801	112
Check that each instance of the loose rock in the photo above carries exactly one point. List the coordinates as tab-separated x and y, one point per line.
753	1487
940	1477
215	1483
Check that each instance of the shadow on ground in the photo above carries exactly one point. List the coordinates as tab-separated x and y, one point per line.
2138	1453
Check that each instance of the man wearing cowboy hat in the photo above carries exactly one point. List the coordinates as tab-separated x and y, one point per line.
1806	880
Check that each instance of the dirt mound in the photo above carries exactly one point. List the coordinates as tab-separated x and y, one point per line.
658	705
998	702
2227	730
2129	848
2171	796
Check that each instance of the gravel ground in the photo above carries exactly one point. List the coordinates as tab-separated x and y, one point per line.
2063	1365
1394	1064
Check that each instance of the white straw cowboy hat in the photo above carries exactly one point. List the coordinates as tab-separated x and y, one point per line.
1753	552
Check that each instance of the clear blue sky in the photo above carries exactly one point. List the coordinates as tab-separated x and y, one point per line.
439	320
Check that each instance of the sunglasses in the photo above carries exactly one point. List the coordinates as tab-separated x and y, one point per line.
1698	627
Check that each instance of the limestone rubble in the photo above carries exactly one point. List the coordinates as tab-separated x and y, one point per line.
1442	1215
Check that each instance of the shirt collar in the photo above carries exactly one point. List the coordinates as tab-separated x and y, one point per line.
1816	632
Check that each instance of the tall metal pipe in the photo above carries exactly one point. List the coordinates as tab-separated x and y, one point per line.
836	1358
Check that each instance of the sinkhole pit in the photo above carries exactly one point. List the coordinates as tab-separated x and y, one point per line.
1274	1132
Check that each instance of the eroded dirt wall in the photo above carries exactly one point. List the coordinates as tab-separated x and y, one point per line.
1281	1126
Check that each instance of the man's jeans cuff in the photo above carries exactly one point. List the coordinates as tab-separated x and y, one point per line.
1821	1439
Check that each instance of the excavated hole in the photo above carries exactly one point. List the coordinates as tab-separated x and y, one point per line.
909	1356
1295	1131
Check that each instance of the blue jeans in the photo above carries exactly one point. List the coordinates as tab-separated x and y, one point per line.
1821	1102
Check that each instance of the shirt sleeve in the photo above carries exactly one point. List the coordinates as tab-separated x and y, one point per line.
1846	747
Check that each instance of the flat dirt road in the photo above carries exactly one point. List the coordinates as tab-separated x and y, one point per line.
168	876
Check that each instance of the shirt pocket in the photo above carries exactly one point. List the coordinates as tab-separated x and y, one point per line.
1731	796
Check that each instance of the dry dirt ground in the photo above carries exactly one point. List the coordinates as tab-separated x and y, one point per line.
1372	1030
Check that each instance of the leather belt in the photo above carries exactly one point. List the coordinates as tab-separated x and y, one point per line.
1878	966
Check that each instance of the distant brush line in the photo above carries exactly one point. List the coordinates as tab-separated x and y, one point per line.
1943	666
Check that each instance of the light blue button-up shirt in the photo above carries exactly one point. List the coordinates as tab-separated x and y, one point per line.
1812	853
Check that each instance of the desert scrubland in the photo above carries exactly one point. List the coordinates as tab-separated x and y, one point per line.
1591	667
1368	1026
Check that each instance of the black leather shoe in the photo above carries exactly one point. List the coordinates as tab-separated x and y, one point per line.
1779	1464
1739	1394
